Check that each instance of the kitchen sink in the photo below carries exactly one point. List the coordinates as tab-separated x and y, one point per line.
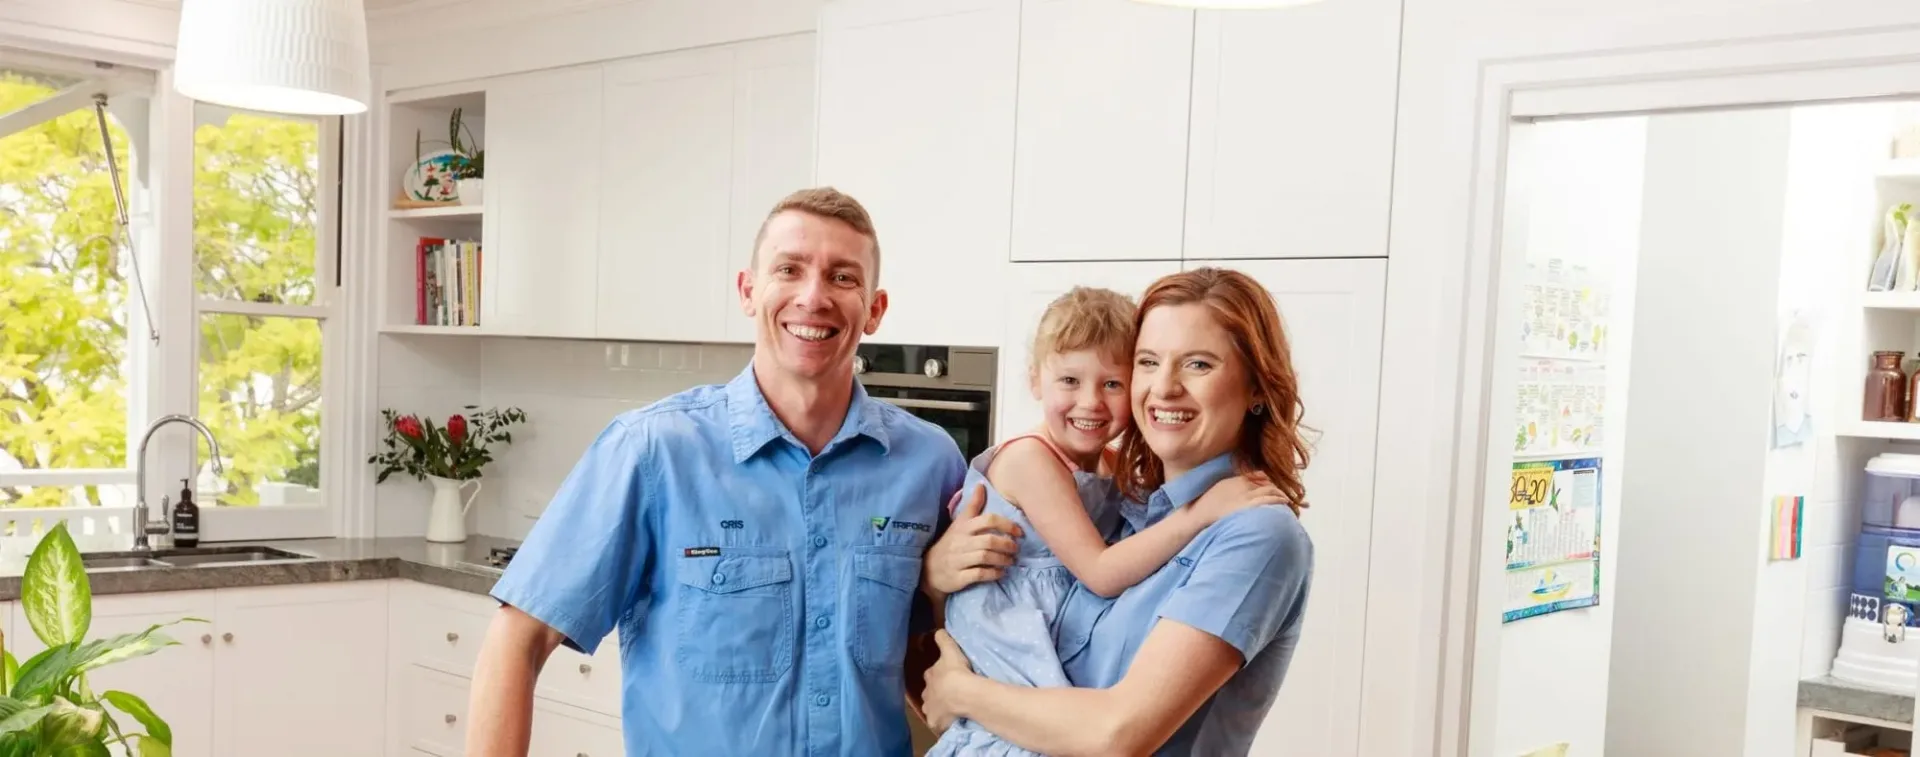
118	562
188	558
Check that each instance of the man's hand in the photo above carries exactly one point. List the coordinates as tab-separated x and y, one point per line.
976	548
943	679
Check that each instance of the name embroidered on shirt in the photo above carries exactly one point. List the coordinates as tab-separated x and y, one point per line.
733	524
702	552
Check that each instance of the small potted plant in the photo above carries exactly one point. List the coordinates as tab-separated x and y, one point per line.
448	457
469	163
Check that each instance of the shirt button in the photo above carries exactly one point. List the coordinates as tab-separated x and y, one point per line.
821	700
819	541
821	622
719	578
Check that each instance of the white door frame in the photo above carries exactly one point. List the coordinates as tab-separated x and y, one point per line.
1876	63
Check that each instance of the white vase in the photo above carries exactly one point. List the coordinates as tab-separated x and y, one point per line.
472	191
447	521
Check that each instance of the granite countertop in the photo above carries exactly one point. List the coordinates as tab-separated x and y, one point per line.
1847	698
461	567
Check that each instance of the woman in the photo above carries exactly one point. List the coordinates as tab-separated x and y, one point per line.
1189	660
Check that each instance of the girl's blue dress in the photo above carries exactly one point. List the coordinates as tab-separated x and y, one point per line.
1006	627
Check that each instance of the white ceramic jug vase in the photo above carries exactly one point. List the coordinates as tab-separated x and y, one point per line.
447	521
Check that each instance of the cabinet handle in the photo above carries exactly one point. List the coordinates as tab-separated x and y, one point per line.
452	637
227	637
585	668
451	718
206	638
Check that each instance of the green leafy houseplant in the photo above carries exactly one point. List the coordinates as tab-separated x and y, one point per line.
457	450
49	710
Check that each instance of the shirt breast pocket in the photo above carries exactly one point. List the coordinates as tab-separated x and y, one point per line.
736	617
885	578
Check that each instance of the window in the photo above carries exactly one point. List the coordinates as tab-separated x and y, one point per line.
67	368
261	302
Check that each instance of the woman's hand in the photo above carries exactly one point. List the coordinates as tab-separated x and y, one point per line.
975	548
945	682
1236	493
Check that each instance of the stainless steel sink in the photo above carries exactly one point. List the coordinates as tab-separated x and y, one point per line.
188	558
116	562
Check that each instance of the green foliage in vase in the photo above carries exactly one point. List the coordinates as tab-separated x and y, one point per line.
49	710
64	290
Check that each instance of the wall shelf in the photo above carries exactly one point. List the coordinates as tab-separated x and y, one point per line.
1908	301
1879	430
450	211
438	330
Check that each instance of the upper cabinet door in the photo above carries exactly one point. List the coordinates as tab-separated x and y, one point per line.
772	149
1293	123
667	157
1100	158
542	221
1333	312
916	121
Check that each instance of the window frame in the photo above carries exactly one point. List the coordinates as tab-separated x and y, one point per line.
164	378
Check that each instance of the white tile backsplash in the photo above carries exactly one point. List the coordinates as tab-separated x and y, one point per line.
570	391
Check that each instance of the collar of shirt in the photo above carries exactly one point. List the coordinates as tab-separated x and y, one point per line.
1179	492
754	424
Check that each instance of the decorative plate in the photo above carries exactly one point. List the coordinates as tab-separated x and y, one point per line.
431	179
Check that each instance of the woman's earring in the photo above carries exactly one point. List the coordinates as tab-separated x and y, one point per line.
1259	407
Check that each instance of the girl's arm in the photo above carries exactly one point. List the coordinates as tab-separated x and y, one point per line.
1032	478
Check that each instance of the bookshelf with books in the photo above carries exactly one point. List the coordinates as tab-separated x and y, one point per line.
436	260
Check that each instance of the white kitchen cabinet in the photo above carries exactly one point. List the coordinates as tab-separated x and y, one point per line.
772	149
1333	312
1293	131
300	670
698	145
1032	287
916	120
665	196
542	222
282	670
1100	152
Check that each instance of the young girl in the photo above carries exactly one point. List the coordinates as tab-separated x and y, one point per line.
1056	483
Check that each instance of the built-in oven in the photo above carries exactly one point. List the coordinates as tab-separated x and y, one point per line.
950	387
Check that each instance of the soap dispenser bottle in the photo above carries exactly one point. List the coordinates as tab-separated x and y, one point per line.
186	518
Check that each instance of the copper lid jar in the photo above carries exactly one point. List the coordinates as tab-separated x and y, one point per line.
1886	395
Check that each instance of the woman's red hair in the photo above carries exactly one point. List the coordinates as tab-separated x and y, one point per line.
1270	440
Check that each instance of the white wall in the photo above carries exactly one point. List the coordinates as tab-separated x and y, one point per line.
1582	202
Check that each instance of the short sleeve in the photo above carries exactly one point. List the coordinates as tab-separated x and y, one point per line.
583	563
1249	582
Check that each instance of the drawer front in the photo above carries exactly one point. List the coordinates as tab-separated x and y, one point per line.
438	628
591	683
561	731
432	709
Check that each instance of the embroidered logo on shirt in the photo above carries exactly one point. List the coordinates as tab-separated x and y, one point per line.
880	525
702	552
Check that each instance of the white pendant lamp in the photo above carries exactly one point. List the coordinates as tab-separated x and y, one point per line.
280	56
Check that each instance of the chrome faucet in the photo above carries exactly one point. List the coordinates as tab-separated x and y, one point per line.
143	526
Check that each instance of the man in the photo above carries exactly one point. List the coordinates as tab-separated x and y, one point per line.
758	545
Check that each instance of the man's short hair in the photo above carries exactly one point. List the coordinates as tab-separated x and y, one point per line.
825	202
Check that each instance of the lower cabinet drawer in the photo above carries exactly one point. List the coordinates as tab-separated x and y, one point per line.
591	683
431	707
562	731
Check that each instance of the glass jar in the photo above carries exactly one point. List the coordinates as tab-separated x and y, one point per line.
1886	390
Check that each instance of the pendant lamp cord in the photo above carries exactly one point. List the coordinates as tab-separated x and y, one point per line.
120	205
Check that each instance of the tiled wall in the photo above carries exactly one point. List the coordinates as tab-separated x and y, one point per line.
569	389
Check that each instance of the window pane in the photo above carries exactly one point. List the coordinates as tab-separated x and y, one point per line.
255	208
63	295
101	495
260	395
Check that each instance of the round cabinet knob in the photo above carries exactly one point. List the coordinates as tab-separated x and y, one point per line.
451	718
452	637
585	668
860	364
227	637
934	368
206	638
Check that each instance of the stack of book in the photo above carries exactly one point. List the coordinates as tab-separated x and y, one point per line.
447	282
